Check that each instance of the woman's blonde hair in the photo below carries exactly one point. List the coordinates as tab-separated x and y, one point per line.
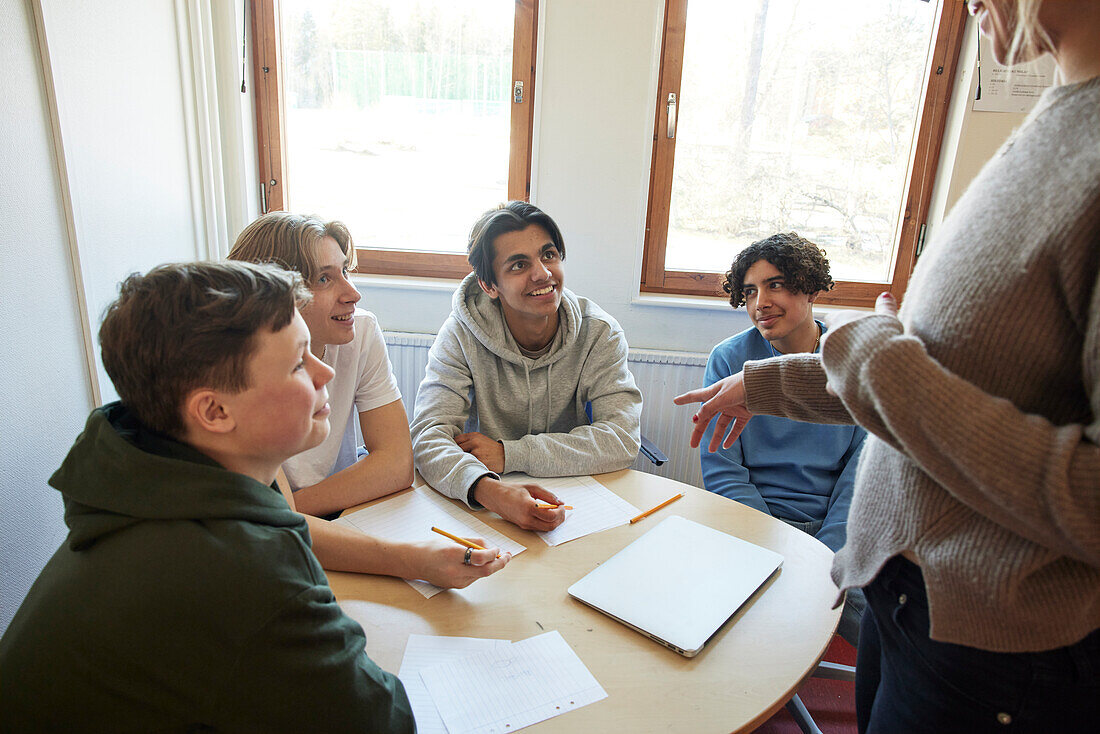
1028	37
290	241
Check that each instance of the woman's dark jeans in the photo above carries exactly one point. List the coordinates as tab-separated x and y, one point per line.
909	683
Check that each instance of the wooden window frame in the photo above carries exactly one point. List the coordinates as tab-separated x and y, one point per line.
924	158
270	137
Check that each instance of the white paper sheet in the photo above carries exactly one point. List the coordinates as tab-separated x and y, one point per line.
426	651
410	517
595	507
509	688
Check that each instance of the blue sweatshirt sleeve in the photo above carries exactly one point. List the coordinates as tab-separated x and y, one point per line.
834	529
724	470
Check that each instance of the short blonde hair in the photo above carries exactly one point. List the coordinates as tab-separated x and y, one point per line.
290	241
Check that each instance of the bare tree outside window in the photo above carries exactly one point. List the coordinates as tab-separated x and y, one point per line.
796	115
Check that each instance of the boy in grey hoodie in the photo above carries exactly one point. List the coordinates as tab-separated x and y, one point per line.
523	376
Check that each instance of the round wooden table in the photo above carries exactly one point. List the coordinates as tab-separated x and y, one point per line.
751	667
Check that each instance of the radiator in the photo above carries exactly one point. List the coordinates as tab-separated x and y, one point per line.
660	376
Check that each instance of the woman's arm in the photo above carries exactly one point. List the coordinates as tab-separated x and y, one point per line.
1019	469
1035	478
724	471
386	469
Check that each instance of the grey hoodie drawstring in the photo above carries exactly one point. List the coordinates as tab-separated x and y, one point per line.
530	405
547	429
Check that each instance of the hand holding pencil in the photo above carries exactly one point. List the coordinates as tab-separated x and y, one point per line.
461	541
459	563
528	506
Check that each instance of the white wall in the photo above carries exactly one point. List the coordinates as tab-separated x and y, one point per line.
45	383
116	67
138	176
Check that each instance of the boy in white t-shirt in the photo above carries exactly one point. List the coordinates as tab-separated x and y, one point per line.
365	389
331	477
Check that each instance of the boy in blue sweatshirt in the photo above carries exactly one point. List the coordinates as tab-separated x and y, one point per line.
801	473
186	597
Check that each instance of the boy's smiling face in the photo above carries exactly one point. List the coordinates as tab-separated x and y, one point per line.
529	277
776	310
330	315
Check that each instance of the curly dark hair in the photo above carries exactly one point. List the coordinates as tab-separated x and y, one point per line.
803	264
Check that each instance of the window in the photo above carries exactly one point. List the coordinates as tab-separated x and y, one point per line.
401	118
823	118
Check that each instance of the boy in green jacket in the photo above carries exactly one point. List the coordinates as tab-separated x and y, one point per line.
186	596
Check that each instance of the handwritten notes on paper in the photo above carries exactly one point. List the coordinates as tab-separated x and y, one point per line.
409	517
501	688
595	507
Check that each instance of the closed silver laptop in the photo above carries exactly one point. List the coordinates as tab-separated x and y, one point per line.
680	600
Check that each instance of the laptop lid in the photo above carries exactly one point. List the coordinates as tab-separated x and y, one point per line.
677	601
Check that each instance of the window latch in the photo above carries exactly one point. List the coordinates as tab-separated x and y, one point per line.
517	92
920	240
670	109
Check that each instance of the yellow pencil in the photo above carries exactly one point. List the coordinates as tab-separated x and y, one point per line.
666	503
460	541
548	506
455	538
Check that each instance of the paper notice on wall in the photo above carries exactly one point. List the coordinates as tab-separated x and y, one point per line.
1015	89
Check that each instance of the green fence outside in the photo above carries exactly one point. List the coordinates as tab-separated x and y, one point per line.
363	78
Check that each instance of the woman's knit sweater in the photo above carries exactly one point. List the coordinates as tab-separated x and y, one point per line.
983	400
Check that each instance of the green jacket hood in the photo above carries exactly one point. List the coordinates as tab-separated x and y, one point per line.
119	473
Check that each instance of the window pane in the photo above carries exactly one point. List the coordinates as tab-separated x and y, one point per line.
397	115
796	115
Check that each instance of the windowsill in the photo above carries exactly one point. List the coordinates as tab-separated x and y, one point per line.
656	300
693	302
403	282
826	310
718	304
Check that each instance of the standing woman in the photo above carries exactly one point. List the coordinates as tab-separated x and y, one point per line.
975	525
333	476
